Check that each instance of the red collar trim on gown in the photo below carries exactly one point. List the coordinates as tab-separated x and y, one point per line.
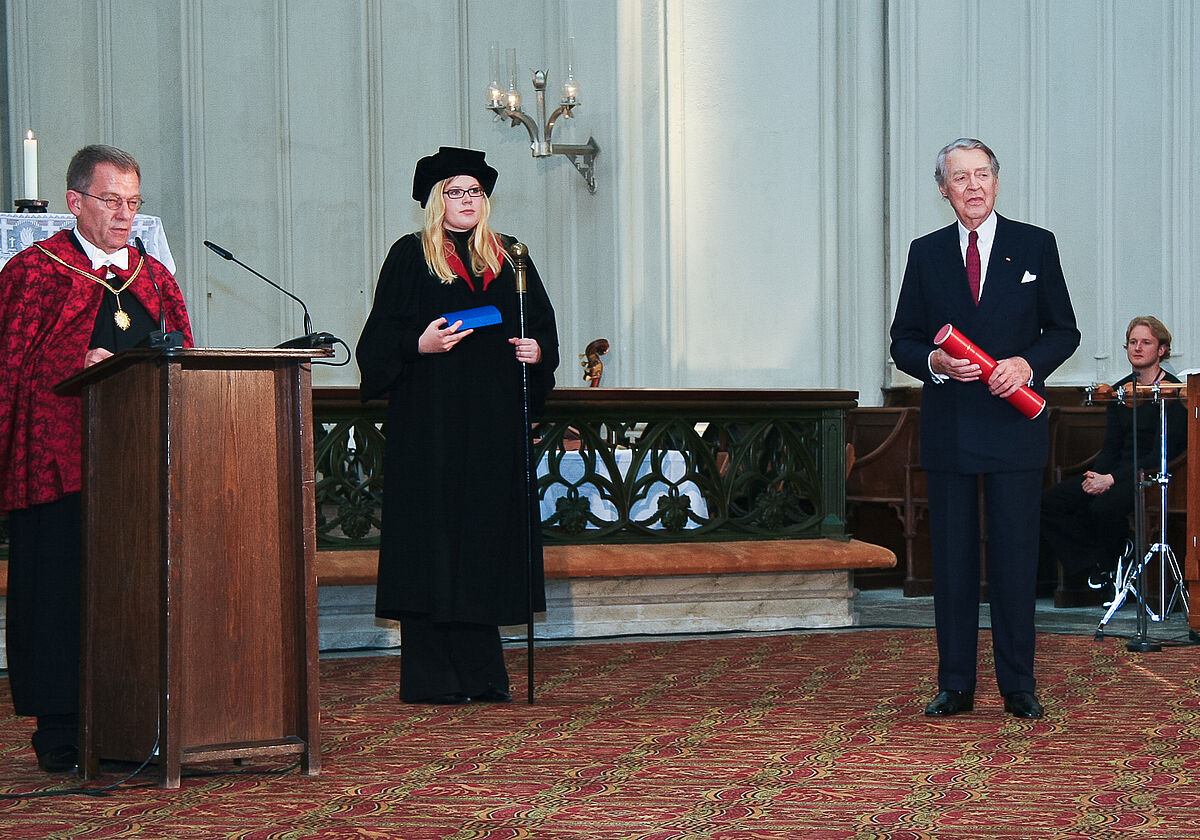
456	263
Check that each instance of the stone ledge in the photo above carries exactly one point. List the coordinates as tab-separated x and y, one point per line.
666	604
651	605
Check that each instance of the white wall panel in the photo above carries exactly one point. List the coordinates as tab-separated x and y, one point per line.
58	109
747	205
643	331
327	165
246	189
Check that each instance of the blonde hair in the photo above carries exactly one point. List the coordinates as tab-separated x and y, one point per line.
1157	329
486	252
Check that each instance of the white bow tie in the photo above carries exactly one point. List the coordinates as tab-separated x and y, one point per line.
119	259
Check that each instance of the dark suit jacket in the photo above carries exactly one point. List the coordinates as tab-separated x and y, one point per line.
963	427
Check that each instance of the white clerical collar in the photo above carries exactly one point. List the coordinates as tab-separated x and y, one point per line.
118	258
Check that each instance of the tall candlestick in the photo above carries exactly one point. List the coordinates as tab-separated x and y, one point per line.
31	184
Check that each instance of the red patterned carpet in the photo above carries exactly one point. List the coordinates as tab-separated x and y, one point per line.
789	736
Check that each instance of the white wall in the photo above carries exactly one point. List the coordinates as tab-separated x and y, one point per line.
763	164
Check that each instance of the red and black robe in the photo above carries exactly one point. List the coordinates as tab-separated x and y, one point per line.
49	303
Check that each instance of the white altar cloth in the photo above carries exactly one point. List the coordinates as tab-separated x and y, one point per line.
20	230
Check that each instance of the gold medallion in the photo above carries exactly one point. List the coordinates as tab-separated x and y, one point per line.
121	317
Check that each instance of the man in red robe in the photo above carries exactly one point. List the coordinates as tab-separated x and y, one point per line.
65	303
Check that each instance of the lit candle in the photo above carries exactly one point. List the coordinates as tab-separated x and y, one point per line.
570	93
513	97
31	184
494	94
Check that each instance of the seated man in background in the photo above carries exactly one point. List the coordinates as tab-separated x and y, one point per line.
1085	519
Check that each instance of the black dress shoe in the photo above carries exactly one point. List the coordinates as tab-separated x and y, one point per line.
492	695
61	759
1023	704
454	699
949	702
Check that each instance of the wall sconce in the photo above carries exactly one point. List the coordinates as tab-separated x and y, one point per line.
506	104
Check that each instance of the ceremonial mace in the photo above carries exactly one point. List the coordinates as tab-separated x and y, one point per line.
519	253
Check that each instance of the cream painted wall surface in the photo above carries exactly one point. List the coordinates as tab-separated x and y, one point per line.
761	128
746	208
763	165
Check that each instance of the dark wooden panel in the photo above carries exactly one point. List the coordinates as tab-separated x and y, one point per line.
1192	561
227	489
124	486
885	493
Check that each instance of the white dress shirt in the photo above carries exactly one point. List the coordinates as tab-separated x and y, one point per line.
987	235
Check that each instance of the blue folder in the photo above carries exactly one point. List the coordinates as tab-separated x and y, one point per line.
480	316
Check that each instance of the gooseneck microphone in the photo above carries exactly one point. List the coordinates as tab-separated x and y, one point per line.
160	338
309	339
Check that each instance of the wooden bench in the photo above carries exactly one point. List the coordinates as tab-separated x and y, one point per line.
617	589
358	568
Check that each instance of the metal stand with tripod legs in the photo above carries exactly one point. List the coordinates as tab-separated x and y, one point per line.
1131	576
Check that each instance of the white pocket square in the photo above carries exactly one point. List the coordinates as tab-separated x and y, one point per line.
1028	278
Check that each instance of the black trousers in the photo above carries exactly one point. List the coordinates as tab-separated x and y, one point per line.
1010	499
449	658
44	560
1080	530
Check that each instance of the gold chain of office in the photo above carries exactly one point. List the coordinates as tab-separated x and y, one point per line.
121	317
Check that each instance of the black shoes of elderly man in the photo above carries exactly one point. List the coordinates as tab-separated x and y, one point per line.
1020	704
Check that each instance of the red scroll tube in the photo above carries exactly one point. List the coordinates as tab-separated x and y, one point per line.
1024	399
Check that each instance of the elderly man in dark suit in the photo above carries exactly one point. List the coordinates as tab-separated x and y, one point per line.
1001	285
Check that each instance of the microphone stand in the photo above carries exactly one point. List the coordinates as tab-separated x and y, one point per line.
519	253
310	339
159	339
1140	642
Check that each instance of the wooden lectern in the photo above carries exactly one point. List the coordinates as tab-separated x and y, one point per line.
199	637
1191	565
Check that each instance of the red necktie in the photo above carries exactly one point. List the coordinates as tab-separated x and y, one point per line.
973	264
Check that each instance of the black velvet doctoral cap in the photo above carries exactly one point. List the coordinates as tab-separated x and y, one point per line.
448	162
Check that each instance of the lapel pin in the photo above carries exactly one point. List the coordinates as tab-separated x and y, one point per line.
1008	259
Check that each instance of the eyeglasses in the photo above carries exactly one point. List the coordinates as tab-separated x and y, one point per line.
113	202
456	193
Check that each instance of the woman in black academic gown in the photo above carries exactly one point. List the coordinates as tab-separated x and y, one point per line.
453	554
